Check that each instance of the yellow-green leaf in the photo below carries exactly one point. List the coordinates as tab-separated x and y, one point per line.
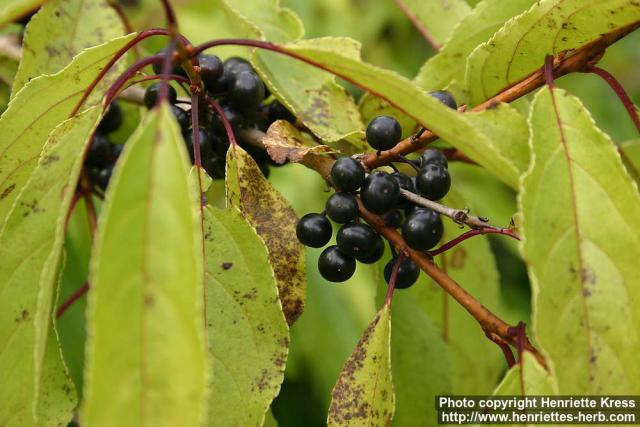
63	29
30	248
363	394
548	27
630	153
248	336
436	18
450	125
527	378
581	232
10	10
39	107
449	65
145	320
272	217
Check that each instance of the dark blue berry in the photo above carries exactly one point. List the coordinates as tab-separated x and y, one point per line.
376	252
342	207
422	229
314	230
432	155
445	97
433	181
246	91
383	133
356	240
380	193
152	93
335	266
112	120
211	69
408	273
347	174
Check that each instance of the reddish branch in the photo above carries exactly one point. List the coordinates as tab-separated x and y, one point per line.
469	234
72	299
494	327
620	92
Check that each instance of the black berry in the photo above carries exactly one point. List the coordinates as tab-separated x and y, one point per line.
152	93
445	97
405	182
356	240
103	176
408	273
347	174
422	229
342	207
111	121
211	69
176	69
393	218
206	144
433	181
246	90
231	67
383	132
277	111
99	151
314	230
335	266
235	118
182	117
380	193
376	252
433	156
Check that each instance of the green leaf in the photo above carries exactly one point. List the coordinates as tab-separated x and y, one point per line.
63	29
266	18
582	244
450	125
39	107
630	153
436	18
526	379
10	10
271	216
145	334
30	248
449	65
417	347
549	27
248	336
507	131
363	394
473	266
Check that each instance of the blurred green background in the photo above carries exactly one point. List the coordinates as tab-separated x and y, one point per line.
337	314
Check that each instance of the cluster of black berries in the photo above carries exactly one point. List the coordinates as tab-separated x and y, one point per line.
103	153
243	98
379	193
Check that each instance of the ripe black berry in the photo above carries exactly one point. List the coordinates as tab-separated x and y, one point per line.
206	144
182	117
342	207
393	218
422	229
356	240
445	97
103	176
111	121
314	230
380	192
277	111
376	252
383	132
246	90
231	67
408	273
99	151
433	156
405	182
152	93
433	181
235	118
335	266
210	70
177	68
347	174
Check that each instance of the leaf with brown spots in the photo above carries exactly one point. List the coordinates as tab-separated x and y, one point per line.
62	29
40	106
284	142
248	336
31	243
580	211
275	221
363	394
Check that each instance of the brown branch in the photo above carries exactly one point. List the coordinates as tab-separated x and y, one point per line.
563	64
494	327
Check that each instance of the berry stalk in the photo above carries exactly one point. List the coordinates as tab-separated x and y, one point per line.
620	92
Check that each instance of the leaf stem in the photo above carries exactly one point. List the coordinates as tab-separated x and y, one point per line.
394	277
72	299
469	234
493	326
620	92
